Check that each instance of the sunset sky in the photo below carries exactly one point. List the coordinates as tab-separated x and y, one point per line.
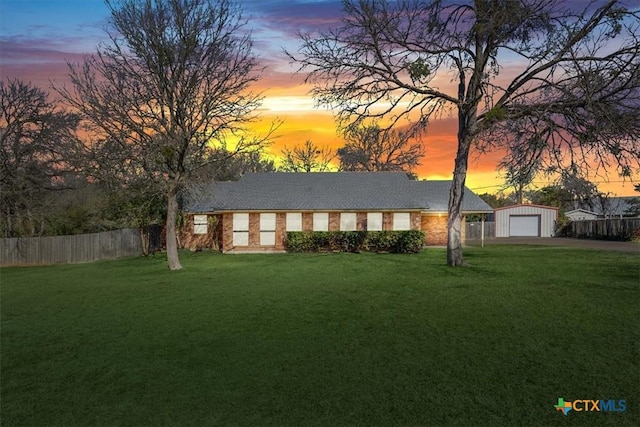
37	37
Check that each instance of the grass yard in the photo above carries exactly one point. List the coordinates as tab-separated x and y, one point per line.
323	339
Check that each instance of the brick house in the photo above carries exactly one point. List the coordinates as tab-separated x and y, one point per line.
254	213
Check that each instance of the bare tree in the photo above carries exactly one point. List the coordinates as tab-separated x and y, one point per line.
171	86
307	158
583	193
370	148
521	163
38	147
574	79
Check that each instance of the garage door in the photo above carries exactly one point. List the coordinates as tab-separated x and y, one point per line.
524	225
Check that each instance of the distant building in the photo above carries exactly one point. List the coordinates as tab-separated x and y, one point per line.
581	215
526	221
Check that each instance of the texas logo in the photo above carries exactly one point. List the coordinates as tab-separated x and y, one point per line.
591	406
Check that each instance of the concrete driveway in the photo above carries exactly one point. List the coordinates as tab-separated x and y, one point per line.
632	247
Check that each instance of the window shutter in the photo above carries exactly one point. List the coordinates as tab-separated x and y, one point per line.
200	224
294	221
240	229
374	221
320	221
348	221
267	229
402	221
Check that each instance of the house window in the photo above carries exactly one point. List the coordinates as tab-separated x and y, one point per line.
294	221
347	221
240	229
402	221
374	221
267	229
320	221
200	224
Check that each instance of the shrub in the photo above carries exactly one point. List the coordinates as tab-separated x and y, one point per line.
299	242
410	241
563	227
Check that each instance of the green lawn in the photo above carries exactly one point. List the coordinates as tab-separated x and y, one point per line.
323	339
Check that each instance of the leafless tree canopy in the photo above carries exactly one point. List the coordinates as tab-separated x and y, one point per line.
307	158
575	86
38	150
172	82
370	148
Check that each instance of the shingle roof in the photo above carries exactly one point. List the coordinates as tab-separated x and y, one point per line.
327	191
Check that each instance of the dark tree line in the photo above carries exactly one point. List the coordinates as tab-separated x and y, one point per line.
38	158
54	180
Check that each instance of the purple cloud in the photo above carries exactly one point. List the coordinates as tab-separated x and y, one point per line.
293	17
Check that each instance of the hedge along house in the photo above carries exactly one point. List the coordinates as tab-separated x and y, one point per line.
255	213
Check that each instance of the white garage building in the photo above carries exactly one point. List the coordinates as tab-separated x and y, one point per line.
526	221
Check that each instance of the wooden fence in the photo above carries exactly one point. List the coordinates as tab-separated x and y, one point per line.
473	230
70	249
610	229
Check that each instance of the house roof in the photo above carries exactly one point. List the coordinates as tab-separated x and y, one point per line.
580	211
327	191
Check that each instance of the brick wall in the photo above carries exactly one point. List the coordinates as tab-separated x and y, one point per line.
334	221
281	234
211	240
435	229
387	221
227	232
307	221
254	234
361	221
415	220
254	230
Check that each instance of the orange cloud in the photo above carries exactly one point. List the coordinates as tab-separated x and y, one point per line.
302	121
287	98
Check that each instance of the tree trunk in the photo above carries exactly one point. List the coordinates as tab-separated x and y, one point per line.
456	194
144	238
172	213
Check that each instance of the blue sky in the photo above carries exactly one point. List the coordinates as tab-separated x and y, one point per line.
38	37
